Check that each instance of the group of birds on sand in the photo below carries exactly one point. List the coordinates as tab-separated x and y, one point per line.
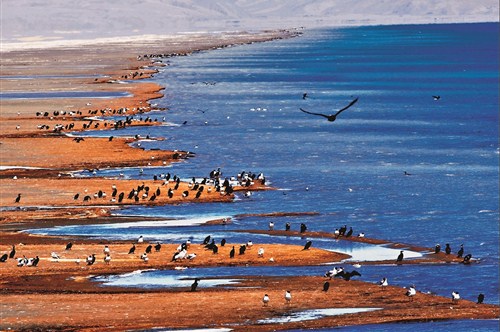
21	261
460	253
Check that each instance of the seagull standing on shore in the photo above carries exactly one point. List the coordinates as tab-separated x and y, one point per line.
383	283
455	296
265	300
411	292
288	297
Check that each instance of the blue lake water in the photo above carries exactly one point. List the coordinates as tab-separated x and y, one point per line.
350	171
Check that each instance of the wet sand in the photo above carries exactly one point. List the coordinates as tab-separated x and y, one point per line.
58	294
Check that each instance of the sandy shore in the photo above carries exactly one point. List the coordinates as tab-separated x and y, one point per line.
39	162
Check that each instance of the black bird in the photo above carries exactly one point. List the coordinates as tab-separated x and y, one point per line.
12	252
18	198
76	196
447	250
231	253
242	249
480	298
467	259
326	286
400	257
287	226
132	249
69	246
91	259
332	117
308	245
349	233
342	230
304	95
207	239
348	275
35	261
436	97
158	246
4	258
215	249
437	248
303	227
148	249
194	285
460	252
223	242
210	245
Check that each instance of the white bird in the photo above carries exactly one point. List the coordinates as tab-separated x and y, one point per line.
140	239
180	255
356	265
265	300
271	259
271	226
332	273
77	261
21	261
288	297
107	259
191	256
248	193
411	292
260	253
54	255
455	296
106	250
249	244
361	235
383	283
145	257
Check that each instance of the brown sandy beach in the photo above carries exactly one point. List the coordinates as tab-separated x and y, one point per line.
38	162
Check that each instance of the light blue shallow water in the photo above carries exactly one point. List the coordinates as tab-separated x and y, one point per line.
350	171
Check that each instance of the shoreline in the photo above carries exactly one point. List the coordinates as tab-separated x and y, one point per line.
65	284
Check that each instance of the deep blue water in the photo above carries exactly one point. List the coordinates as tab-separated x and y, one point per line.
351	171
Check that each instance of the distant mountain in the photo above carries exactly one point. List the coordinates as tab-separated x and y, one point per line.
22	20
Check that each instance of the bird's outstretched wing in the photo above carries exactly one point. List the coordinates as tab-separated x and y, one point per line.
323	115
350	104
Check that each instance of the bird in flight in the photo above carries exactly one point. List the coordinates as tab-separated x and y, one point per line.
332	117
